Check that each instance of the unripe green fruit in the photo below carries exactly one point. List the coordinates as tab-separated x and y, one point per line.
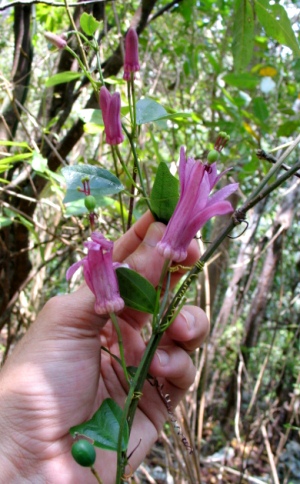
84	453
213	156
90	203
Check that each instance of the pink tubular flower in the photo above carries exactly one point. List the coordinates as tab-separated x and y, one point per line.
58	40
99	274
110	105
194	207
131	61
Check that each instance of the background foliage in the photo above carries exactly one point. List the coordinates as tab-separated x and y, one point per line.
232	66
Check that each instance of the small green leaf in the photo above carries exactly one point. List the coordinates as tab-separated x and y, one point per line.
89	24
288	128
242	81
243	34
148	110
137	292
164	195
260	109
102	182
276	23
21	144
4	221
93	116
103	428
62	77
38	163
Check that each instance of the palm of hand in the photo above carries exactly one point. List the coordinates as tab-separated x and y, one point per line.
54	380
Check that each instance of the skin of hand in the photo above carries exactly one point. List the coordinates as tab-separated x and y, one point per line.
53	380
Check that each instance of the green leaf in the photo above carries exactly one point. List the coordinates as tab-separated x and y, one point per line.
102	182
103	428
4	221
137	292
276	23
93	116
148	110
89	24
288	128
164	195
243	34
18	157
62	77
38	163
21	144
260	109
242	81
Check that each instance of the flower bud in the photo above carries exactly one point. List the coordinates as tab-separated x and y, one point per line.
213	156
58	40
90	203
131	61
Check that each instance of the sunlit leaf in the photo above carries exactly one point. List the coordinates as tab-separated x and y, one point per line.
243	34
62	77
148	110
242	81
276	23
89	24
101	181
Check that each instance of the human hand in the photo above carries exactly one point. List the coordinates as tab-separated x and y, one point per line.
54	380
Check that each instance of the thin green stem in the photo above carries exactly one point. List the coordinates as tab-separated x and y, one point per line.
130	102
85	62
137	164
119	194
85	71
123	164
133	103
95	473
158	293
115	323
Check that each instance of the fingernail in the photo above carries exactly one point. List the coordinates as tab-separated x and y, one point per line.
163	357
189	318
153	235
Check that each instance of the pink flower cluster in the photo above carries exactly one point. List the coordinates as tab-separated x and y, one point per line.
99	274
195	207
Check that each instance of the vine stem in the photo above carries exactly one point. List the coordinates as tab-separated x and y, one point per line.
115	323
137	164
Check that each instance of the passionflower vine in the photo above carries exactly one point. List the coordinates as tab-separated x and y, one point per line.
110	105
131	61
99	274
195	207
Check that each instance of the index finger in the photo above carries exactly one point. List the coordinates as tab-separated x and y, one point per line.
130	241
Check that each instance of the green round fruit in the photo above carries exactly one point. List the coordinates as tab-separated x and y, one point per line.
213	156
84	453
90	203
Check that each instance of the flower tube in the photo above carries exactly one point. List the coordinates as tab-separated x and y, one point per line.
131	61
99	274
195	207
110	105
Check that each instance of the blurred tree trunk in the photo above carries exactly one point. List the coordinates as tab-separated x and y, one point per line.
14	240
